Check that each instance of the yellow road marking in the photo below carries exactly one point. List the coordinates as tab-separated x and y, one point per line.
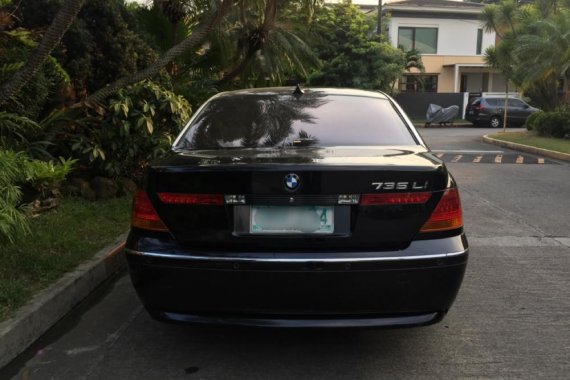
541	160
457	158
439	155
498	158
520	160
478	159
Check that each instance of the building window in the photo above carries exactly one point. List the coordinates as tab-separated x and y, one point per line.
422	39
418	83
479	41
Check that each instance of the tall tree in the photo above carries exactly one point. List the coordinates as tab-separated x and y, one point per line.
502	19
61	23
546	52
269	47
499	57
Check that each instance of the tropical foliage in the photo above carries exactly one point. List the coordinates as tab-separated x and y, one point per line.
18	171
101	45
352	54
534	51
47	85
108	84
138	124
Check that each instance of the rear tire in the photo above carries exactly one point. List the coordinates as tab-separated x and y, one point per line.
495	122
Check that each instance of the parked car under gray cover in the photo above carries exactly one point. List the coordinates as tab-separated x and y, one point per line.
438	114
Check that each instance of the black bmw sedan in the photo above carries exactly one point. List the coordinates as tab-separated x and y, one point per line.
283	208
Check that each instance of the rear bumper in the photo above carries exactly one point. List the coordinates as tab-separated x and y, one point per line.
410	287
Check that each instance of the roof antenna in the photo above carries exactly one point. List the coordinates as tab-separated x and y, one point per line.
298	90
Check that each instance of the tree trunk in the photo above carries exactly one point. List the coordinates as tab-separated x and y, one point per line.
204	27
379	20
506	105
62	21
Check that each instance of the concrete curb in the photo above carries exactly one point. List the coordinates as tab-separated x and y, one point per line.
528	149
46	308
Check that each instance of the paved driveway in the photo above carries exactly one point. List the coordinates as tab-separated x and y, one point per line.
511	318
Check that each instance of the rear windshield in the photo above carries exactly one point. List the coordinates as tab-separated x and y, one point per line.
281	120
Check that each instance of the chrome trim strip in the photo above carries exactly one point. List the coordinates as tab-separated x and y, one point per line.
339	321
292	260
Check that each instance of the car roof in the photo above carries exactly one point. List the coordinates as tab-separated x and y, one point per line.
290	89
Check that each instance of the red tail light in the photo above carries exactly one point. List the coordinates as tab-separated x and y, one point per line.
447	214
143	215
192	199
394	198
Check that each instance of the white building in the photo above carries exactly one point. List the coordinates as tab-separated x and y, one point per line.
451	39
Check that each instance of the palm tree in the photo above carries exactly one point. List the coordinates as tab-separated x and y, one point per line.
413	62
546	52
267	48
207	23
499	57
62	21
490	19
174	12
503	19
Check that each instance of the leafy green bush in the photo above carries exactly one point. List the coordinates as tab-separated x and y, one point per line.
19	170
552	124
139	124
531	120
43	176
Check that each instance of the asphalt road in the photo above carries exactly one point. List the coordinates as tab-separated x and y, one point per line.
510	320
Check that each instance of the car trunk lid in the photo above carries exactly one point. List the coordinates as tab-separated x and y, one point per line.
244	181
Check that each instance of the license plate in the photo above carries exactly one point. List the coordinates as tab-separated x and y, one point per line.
291	220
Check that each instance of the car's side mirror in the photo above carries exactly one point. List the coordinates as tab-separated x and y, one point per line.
526	106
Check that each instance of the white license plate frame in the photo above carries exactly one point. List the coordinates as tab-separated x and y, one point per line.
294	220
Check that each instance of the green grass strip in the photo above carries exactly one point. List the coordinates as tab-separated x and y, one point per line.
528	138
60	240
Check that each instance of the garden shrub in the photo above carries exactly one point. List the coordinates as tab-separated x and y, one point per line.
553	124
138	124
531	120
19	170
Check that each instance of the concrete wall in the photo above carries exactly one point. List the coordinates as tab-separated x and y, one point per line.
498	83
415	104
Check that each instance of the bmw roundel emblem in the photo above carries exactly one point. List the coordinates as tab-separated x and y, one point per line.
292	182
